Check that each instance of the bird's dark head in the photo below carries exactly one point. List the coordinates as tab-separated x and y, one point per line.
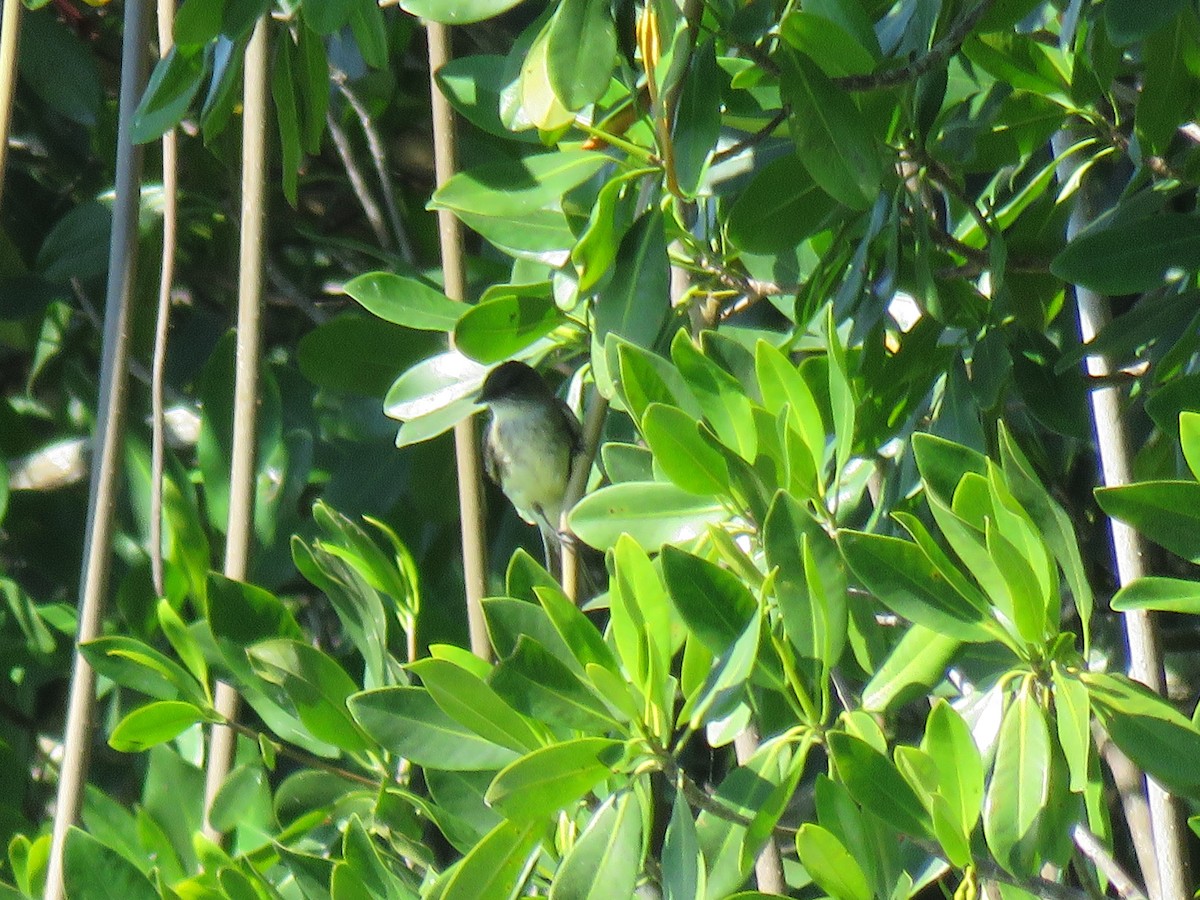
512	381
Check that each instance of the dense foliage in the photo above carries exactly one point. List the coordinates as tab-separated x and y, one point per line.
819	262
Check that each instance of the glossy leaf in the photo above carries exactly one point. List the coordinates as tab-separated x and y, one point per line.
1189	441
405	301
722	397
539	685
84	857
712	601
1155	592
494	331
606	858
948	742
830	864
457	12
496	866
406	721
518	187
581	45
832	137
317	686
697	118
635	303
469	700
169	93
153	724
552	778
906	582
1167	512
1072	718
652	512
681	453
874	782
1020	785
1131	256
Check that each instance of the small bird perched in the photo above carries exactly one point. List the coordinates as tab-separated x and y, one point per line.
530	448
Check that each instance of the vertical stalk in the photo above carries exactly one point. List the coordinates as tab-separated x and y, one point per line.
97	550
245	390
466	439
170	177
10	32
1112	438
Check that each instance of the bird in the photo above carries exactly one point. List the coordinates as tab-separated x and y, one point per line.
531	446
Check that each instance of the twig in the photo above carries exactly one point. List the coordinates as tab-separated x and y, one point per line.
10	32
162	322
593	426
1145	659
1091	847
110	417
358	184
379	159
466	440
938	54
245	386
306	758
757	138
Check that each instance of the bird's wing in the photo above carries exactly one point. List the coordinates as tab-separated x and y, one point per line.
491	464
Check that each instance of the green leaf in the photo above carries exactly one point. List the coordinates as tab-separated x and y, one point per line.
943	464
242	788
244	614
833	139
635	303
1165	594
169	93
154	723
782	385
713	602
1167	512
917	662
287	114
779	209
328	17
457	12
539	685
446	382
651	512
516	187
697	118
1148	729
60	68
606	858
469	700
1020	785
682	864
906	582
842	402
1189	442
472	84
84	857
830	864
360	355
877	785
406	721
182	641
576	630
826	42
495	868
1072	718
405	301
678	449
1132	256
131	663
723	398
500	328
1128	21
550	779
648	378
317	686
948	742
581	46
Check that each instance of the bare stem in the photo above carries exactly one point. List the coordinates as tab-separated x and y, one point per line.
245	389
110	417
466	440
10	32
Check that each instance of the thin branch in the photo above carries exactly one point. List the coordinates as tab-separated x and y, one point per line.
110	417
938	54
1091	847
162	322
379	159
358	183
757	138
307	759
245	388
592	428
10	32
1116	468
466	439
